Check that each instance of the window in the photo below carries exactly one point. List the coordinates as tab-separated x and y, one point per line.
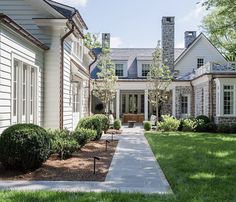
200	62
76	97
145	69
119	70
142	103
23	93
228	99
123	103
78	49
184	104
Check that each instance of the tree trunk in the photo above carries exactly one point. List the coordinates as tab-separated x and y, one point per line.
157	114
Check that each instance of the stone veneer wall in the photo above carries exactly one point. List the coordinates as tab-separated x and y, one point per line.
225	120
182	90
202	99
166	107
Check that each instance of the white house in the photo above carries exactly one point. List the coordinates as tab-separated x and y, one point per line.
204	82
44	65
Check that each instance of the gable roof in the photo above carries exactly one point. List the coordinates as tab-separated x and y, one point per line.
201	35
67	11
20	30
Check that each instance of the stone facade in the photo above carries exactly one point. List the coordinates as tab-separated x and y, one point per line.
189	37
202	99
168	41
225	120
179	91
166	107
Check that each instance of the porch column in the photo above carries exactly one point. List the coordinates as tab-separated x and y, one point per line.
118	104
146	105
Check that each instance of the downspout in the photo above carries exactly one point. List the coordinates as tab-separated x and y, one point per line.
89	87
62	76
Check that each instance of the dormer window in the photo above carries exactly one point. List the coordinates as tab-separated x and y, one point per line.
119	70
145	69
78	50
200	62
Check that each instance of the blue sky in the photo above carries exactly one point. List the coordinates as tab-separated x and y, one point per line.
137	23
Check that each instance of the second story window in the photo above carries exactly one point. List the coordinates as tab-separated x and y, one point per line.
145	69
200	62
78	49
119	70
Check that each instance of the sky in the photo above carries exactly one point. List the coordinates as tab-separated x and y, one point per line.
137	23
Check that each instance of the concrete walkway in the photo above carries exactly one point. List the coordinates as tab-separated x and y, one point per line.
133	169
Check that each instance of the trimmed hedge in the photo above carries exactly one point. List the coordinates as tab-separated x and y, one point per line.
147	125
104	120
24	147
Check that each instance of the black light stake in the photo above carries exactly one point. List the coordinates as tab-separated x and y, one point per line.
94	163
107	141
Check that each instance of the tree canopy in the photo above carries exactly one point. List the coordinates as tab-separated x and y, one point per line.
220	24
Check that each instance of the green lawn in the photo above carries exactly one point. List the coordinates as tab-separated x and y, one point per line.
199	167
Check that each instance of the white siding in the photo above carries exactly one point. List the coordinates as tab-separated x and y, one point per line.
23	13
203	48
11	43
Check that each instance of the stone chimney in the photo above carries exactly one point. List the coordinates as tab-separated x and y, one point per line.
168	41
189	37
106	40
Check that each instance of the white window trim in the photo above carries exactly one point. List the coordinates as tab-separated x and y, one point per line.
81	52
200	57
220	83
139	64
189	106
124	63
22	59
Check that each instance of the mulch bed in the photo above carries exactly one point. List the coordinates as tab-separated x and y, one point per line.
77	168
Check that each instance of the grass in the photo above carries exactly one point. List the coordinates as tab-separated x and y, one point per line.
199	166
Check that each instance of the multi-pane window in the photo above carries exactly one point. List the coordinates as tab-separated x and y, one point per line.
119	70
23	93
228	99
142	103
184	104
78	49
123	103
76	97
145	69
200	62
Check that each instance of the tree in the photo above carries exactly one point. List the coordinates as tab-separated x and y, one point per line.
91	41
159	78
104	87
220	24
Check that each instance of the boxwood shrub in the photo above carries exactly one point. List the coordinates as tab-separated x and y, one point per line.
24	147
63	143
104	120
147	125
93	123
83	135
117	124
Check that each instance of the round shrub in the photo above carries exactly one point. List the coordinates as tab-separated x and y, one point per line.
117	124
147	125
24	147
93	123
204	118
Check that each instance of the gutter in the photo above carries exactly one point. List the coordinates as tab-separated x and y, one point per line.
89	87
20	30
62	77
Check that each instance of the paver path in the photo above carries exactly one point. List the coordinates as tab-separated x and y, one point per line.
133	169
